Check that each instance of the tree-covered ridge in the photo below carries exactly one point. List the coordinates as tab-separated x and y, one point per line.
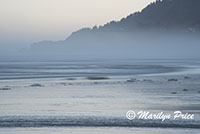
159	14
168	13
158	31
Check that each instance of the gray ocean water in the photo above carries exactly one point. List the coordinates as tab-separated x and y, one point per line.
95	95
31	70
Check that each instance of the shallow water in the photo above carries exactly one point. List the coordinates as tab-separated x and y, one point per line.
64	100
30	70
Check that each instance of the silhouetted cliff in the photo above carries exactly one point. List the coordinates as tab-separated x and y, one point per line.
174	24
162	14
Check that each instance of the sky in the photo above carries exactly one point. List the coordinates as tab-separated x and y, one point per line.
27	21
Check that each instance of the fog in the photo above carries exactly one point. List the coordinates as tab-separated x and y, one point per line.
23	22
87	45
156	32
111	45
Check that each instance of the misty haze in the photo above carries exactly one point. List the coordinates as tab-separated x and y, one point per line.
90	67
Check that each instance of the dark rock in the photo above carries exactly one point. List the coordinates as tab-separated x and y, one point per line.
186	77
185	89
97	78
132	80
71	79
5	88
173	92
36	85
172	79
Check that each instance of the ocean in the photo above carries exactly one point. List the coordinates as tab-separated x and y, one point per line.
95	96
